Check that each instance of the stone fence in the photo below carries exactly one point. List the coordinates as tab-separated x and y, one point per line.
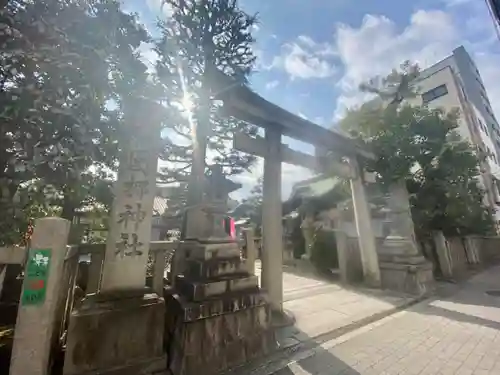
454	256
44	303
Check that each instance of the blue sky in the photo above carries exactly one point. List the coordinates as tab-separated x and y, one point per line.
312	54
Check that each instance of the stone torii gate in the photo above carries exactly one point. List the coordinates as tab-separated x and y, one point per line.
274	155
240	102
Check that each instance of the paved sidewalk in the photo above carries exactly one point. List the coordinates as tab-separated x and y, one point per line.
321	307
459	334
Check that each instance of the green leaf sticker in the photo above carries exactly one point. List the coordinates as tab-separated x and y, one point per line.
36	276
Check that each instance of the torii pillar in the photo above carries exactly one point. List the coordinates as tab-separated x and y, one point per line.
274	153
366	237
272	229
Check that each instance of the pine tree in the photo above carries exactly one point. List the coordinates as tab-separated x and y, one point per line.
201	37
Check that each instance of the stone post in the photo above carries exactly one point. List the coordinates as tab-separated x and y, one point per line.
127	246
366	238
342	253
472	248
35	326
251	254
443	254
272	254
308	228
120	329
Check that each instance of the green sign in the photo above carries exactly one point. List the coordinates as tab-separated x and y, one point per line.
36	276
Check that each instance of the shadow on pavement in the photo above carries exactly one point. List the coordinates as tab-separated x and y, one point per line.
322	362
304	358
458	316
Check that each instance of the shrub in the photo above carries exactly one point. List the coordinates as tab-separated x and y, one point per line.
324	251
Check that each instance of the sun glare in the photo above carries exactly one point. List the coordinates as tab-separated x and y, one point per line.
187	103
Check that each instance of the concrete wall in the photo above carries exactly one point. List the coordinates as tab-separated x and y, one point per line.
450	101
476	92
466	89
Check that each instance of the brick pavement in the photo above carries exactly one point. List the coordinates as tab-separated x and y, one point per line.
320	307
459	334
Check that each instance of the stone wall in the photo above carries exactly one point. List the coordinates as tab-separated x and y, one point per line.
458	256
487	248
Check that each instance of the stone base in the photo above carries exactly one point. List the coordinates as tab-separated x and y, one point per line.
416	278
210	342
117	334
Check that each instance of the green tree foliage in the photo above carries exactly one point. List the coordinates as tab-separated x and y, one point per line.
199	38
253	205
65	69
421	145
324	254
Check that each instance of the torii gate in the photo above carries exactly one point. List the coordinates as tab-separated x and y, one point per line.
242	103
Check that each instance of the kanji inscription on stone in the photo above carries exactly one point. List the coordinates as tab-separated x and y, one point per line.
129	245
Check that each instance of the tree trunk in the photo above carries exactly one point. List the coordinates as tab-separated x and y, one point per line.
68	210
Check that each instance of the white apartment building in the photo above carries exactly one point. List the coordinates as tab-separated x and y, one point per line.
455	82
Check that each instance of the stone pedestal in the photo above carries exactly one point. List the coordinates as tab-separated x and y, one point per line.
120	329
118	333
403	269
217	316
402	265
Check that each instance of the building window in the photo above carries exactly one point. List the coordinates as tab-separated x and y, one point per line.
434	93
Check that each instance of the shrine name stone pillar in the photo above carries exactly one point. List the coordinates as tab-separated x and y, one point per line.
366	238
120	329
402	265
272	254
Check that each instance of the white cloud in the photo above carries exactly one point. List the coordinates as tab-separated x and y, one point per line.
454	3
306	59
159	7
481	40
377	46
261	62
148	55
272	84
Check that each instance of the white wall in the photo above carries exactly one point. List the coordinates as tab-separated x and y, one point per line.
447	102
